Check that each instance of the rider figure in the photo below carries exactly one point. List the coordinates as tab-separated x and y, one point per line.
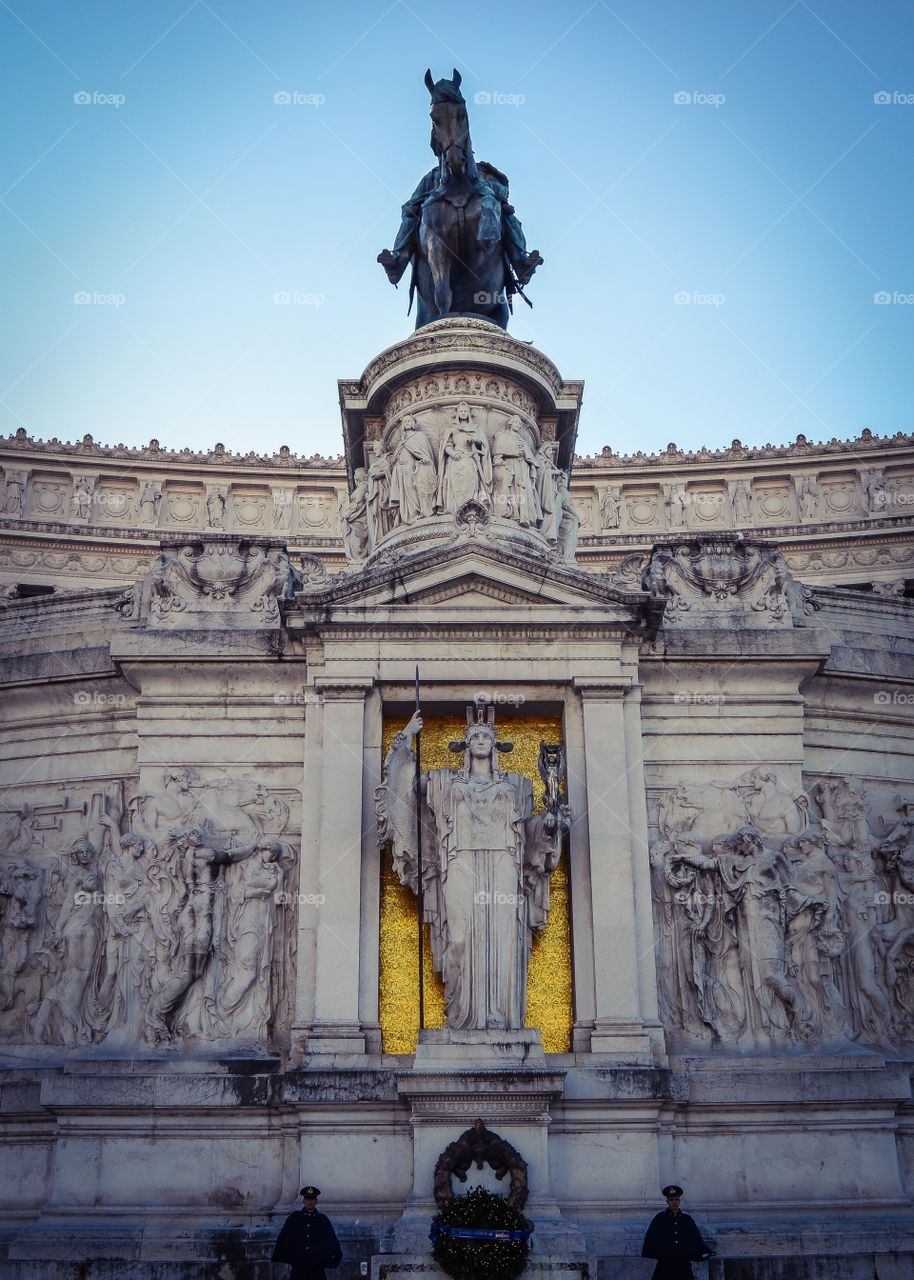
497	217
493	188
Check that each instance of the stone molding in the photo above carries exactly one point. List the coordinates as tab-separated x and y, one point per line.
672	456
625	504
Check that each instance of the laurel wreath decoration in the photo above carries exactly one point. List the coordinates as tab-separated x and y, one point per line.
480	1236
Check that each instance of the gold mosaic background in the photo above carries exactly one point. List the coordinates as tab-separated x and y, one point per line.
550	995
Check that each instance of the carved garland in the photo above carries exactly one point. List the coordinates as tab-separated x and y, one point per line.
480	1235
480	1146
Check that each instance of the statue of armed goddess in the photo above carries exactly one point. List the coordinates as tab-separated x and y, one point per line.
487	860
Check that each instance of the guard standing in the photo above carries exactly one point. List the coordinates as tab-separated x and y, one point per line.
674	1240
307	1241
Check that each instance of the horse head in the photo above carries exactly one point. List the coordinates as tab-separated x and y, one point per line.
450	125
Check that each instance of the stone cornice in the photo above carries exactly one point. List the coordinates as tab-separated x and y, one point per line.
152	453
285	460
602	688
342	688
354	585
674	457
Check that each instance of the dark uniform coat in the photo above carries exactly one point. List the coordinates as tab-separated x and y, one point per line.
308	1243
674	1239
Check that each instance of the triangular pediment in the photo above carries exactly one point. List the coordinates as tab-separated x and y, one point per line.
476	590
480	578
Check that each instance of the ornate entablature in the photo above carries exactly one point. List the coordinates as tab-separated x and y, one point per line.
841	511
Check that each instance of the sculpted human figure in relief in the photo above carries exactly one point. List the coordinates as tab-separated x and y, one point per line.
755	880
742	504
808	498
569	520
465	463
514	469
197	865
413	478
486	866
379	512
244	1003
68	1010
354	517
610	508
802	918
548	493
150	500
130	934
26	886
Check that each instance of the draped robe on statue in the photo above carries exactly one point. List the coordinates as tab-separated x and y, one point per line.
486	868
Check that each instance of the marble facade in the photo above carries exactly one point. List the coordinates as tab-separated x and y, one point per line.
193	740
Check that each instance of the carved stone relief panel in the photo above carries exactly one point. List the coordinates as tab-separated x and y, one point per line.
838	496
642	509
317	511
215	581
49	495
472	463
588	508
772	502
166	920
709	506
784	918
250	508
436	390
900	493
184	505
705	577
115	500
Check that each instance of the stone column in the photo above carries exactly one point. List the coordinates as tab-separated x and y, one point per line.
625	1012
369	933
330	904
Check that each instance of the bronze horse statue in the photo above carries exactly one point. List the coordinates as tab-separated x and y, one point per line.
459	232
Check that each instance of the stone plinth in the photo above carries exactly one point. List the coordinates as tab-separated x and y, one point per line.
419	1266
457	359
459	425
448	1091
464	1050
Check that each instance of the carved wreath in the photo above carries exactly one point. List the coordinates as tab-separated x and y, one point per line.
480	1146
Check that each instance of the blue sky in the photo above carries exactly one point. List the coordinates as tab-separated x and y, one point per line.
718	196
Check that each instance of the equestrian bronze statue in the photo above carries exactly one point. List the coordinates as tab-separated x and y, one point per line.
459	234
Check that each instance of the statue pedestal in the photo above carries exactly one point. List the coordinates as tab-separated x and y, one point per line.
451	1086
466	1050
421	1266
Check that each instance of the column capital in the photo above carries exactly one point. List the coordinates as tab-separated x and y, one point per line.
343	688
603	688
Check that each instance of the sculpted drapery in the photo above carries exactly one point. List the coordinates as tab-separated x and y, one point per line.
464	463
413	476
486	866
